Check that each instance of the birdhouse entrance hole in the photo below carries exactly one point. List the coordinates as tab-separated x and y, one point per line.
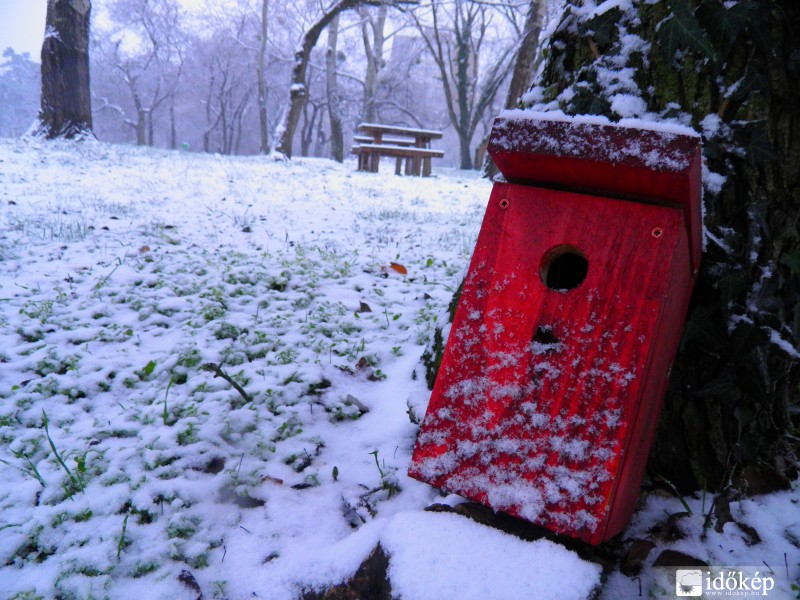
545	337
564	268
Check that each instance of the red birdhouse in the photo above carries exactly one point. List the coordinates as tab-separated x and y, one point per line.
552	380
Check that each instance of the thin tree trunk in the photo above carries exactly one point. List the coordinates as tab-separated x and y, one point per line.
209	125
524	64
464	83
155	103
307	130
321	138
334	114
236	124
141	126
66	106
222	103
454	50
464	151
150	128
223	123
173	129
373	49
263	120
298	92
141	111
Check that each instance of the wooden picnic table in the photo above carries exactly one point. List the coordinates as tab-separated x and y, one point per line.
413	145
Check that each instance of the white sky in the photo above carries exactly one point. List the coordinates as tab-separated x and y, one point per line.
22	26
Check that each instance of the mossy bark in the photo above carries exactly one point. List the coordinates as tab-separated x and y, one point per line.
733	401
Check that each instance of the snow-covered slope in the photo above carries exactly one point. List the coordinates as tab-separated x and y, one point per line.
205	365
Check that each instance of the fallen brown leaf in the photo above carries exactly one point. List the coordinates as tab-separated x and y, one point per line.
399	268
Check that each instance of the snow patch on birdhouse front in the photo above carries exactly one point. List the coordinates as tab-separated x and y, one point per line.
537	446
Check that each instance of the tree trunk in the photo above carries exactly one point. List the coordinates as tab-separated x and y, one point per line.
209	124
237	122
141	127
66	106
524	65
150	128
307	129
157	99
321	140
222	103
464	151
263	121
334	109
732	402
525	60
373	50
173	128
465	62
453	45
298	94
141	111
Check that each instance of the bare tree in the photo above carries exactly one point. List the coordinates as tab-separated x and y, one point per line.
526	57
173	128
20	84
151	68
372	33
66	106
230	85
212	118
524	64
234	62
298	90
332	88
221	84
455	34
312	127
261	67
227	101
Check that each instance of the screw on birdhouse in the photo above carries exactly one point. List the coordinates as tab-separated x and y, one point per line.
657	232
504	203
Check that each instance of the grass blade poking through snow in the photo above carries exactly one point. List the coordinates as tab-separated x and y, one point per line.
121	543
677	494
31	470
76	482
166	395
388	482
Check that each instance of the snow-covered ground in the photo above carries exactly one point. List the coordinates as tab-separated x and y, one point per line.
205	368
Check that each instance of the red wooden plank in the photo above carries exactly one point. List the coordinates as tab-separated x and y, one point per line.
664	347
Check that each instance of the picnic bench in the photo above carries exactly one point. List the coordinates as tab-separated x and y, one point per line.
402	143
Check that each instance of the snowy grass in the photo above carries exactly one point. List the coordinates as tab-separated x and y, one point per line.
205	364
